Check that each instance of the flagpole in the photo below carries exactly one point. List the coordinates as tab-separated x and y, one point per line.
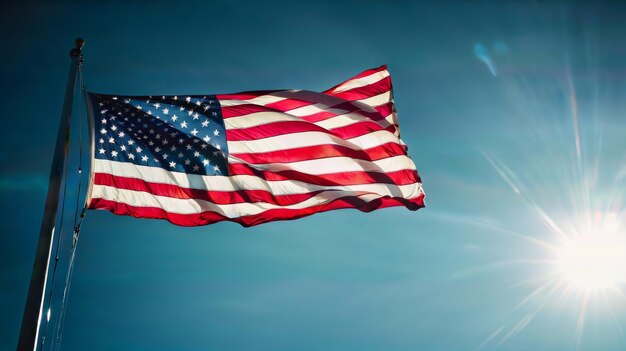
33	310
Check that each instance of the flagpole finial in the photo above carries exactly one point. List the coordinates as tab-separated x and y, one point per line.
79	42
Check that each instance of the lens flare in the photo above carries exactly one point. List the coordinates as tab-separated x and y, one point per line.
569	173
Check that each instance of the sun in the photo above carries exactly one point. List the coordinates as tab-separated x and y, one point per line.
593	261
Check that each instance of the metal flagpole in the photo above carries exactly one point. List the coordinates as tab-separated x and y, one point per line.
33	311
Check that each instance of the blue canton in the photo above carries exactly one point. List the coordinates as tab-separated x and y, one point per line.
181	134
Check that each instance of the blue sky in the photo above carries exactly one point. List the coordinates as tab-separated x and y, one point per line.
491	99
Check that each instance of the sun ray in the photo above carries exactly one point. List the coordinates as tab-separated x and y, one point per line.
491	337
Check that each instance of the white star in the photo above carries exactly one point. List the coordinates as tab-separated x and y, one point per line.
187	162
111	140
180	155
121	134
123	147
198	102
157	105
172	164
104	121
166	111
144	158
157	149
174	118
205	123
102	151
165	142
203	146
173	148
139	107
113	128
101	141
196	168
165	156
131	156
216	132
205	162
194	132
218	146
188	147
114	153
103	131
131	142
196	154
206	138
217	169
188	98
181	108
183	125
196	116
138	149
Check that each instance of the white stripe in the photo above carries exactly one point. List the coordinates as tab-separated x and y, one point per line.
258	119
193	206
361	82
334	165
377	100
342	119
259	100
304	139
318	102
308	110
242	182
349	119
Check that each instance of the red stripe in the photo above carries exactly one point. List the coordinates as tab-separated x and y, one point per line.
369	72
247	221
296	102
289	104
353	107
401	177
324	151
245	109
367	91
214	196
291	127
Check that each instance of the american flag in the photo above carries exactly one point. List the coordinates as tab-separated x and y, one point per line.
251	157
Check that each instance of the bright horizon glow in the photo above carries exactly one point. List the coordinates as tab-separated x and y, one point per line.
594	261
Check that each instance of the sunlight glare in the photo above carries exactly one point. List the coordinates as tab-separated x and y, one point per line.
593	261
